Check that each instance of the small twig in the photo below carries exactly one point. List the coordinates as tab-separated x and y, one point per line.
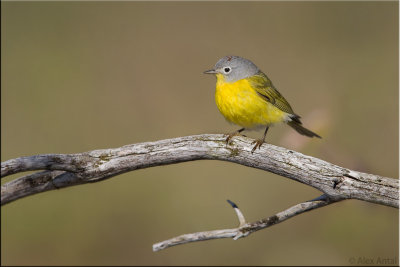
245	229
242	220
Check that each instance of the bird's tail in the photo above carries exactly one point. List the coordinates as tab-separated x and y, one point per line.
301	130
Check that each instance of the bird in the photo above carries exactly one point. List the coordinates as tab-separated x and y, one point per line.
246	97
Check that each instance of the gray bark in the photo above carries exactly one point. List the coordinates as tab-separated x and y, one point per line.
336	183
63	170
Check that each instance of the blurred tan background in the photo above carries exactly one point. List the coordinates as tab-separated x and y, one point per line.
80	76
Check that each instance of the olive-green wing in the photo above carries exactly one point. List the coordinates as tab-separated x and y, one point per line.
266	90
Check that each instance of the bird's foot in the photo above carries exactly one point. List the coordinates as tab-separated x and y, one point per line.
258	143
230	135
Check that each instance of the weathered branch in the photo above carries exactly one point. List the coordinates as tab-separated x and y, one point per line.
63	170
245	229
337	183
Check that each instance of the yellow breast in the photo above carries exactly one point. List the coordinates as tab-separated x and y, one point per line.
240	104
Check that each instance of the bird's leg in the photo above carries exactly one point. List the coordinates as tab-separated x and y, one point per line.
230	135
259	142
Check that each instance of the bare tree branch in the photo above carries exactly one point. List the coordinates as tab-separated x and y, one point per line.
64	170
247	228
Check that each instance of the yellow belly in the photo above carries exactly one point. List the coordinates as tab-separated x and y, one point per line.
241	104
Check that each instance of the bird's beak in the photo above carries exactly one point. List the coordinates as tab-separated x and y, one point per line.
210	72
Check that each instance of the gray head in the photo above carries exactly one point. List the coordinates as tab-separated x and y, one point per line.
234	68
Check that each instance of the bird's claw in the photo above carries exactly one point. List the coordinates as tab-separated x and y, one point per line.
258	143
230	135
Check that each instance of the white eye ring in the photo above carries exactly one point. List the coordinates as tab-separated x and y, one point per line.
227	69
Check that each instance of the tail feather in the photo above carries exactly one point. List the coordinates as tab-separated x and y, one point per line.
296	124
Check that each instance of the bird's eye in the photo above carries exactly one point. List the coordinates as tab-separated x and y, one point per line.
227	69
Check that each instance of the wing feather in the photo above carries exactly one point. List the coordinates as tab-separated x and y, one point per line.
264	87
